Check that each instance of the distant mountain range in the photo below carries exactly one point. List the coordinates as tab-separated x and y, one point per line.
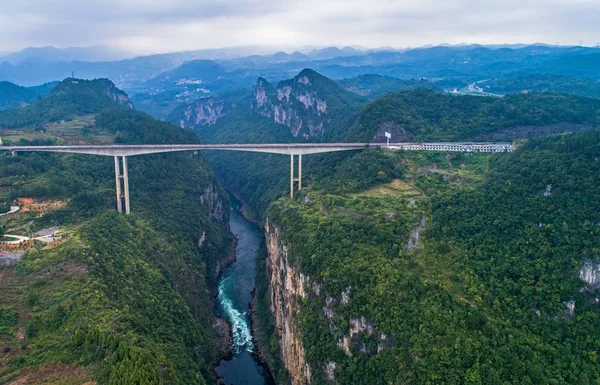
463	63
53	54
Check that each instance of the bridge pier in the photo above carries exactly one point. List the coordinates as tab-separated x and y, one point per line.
292	174
122	185
118	184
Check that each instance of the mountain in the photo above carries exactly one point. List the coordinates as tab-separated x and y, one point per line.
53	54
114	299
307	107
69	98
455	66
13	96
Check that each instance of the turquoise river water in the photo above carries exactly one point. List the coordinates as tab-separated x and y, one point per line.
235	293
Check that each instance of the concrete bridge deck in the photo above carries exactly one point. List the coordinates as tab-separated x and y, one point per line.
121	152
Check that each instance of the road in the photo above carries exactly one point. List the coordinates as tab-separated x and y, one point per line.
13	209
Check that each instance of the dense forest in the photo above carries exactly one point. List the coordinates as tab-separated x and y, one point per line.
375	86
492	293
429	116
14	96
122	300
545	83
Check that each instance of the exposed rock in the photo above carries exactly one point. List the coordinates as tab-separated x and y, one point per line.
117	95
286	286
399	134
224	337
260	93
9	258
352	342
213	201
202	239
344	344
202	112
548	191
570	308
346	296
329	370
316	288
360	325
590	274
303	80
415	235
293	104
327	310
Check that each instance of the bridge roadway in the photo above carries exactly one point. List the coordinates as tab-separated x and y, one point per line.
121	152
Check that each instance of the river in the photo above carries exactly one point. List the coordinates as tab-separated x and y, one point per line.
235	293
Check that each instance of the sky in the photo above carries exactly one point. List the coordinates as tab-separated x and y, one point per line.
154	26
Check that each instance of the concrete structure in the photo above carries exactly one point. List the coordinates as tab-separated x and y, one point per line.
121	152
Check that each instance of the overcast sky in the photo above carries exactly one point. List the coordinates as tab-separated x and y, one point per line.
151	26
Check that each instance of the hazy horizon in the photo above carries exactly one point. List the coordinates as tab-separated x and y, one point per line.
239	51
145	27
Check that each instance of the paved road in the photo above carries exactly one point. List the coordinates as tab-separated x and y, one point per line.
13	209
273	148
18	239
45	236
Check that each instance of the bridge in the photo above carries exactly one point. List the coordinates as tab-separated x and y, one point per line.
122	152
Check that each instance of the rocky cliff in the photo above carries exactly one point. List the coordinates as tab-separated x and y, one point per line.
295	103
202	112
287	286
310	105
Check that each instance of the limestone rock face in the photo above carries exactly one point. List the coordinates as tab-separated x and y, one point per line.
213	202
117	95
293	103
203	112
590	274
286	287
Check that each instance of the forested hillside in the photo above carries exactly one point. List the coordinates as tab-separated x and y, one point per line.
118	299
545	83
464	269
429	116
69	98
416	115
14	96
375	86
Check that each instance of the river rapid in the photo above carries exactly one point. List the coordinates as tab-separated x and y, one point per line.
235	293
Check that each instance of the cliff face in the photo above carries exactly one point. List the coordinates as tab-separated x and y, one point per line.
202	112
294	103
308	106
286	287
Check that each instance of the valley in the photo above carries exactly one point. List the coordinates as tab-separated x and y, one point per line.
389	266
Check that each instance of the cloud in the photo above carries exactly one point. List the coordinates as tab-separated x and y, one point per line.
167	25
